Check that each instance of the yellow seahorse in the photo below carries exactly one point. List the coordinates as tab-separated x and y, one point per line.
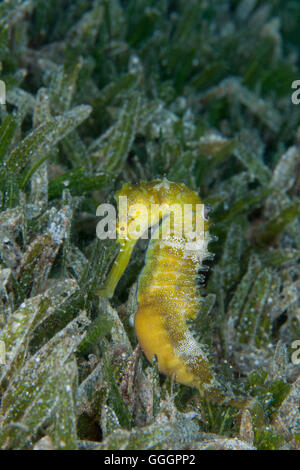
167	287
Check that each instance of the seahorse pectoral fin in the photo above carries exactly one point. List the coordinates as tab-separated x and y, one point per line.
119	266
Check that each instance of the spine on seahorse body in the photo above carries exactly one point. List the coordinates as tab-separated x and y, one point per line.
167	294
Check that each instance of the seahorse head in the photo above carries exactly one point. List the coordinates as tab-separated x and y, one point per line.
145	205
134	208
